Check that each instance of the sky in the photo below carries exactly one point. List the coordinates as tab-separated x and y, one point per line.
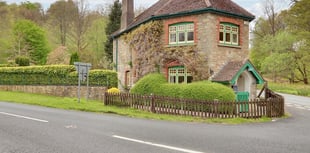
253	6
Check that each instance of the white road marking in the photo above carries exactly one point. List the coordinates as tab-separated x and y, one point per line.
71	126
301	107
24	117
297	105
157	145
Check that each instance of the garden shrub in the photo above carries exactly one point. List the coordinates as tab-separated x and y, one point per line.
169	90
202	90
74	58
22	61
113	91
148	84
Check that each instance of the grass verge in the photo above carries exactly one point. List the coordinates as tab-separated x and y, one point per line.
98	107
295	89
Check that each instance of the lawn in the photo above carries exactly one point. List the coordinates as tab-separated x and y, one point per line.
98	107
295	89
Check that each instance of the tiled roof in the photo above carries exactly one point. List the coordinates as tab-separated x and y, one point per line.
229	70
166	8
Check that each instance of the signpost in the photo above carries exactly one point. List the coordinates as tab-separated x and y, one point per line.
83	73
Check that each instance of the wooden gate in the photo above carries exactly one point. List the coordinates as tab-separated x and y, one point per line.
243	97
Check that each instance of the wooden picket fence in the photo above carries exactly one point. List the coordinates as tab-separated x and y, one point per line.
272	106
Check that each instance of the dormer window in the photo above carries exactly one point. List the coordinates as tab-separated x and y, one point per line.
229	34
181	33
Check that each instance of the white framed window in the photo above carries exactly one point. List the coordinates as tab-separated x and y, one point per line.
229	34
181	33
179	74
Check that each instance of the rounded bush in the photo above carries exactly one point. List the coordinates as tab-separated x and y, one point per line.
74	58
148	84
114	91
22	61
205	90
202	90
170	90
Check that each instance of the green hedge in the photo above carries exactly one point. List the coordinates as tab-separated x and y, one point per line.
203	90
148	84
54	75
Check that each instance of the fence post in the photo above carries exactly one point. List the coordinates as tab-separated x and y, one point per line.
268	107
105	98
282	105
216	108
152	103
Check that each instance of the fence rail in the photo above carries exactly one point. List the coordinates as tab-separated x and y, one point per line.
272	106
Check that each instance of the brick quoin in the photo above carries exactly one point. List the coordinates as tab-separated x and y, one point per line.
183	19
235	21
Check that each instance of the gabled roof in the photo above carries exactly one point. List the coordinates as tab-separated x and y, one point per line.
174	8
231	71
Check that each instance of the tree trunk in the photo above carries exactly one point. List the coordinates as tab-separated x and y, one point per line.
306	81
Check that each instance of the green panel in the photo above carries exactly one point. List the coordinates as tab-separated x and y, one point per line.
243	97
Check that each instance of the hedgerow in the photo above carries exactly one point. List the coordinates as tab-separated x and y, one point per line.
54	75
202	90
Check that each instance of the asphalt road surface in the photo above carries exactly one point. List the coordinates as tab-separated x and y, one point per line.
33	129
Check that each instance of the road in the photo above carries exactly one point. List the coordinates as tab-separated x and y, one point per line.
33	129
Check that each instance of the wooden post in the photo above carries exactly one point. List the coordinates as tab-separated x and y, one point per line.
216	102
152	103
104	98
269	110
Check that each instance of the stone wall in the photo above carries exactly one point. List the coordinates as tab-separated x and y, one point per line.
122	56
95	93
208	41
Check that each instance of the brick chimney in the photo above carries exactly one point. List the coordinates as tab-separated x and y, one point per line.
127	13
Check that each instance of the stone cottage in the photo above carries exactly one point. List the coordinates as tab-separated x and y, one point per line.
186	40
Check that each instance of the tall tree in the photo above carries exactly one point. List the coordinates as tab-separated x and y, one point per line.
5	29
264	29
280	62
31	11
81	24
30	41
97	37
60	16
299	23
113	25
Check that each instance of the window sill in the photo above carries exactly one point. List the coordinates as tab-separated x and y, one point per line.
177	45
231	46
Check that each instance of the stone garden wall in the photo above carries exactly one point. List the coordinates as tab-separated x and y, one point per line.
95	93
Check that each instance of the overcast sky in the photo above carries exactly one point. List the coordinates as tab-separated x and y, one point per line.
253	6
